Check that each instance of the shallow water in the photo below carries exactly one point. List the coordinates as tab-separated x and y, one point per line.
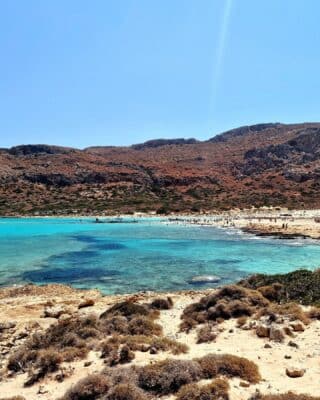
149	255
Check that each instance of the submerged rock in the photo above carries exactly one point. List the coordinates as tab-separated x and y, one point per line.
205	279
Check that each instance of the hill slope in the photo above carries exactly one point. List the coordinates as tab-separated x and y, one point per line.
265	164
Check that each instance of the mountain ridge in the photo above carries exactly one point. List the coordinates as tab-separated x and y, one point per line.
263	164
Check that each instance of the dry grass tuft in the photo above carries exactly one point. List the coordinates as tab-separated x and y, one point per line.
217	389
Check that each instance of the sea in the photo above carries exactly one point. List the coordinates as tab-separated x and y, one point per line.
148	254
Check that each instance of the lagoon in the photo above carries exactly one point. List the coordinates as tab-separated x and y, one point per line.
148	255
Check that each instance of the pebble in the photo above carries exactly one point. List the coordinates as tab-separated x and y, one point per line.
295	372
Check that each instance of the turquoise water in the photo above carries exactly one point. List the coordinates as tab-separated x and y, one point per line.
149	255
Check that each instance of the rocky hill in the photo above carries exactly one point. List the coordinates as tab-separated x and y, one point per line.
264	164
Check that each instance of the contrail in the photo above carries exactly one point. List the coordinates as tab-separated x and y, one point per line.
222	38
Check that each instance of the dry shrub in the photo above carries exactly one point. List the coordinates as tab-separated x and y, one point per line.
301	286
48	361
125	309
162	304
314	313
144	326
74	337
89	388
125	355
142	343
121	355
159	343
63	337
168	376
108	348
117	324
187	324
129	318
217	389
21	359
283	396
229	365
206	334
128	375
291	311
228	302
276	334
126	391
119	349
272	292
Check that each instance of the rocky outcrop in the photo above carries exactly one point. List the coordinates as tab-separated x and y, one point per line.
32	149
163	142
244	130
304	148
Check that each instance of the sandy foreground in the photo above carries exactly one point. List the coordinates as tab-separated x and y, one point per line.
25	306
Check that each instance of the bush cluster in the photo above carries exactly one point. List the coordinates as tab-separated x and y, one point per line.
166	377
228	302
72	338
291	311
110	347
302	286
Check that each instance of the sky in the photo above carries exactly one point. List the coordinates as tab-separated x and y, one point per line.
117	72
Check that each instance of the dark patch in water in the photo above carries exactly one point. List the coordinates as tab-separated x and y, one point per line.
72	258
72	266
67	274
225	262
96	243
86	239
109	246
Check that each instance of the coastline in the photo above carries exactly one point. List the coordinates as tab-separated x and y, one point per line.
279	223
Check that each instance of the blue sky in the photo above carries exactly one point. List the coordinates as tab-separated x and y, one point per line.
116	72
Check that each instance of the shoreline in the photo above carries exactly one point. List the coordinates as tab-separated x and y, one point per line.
280	223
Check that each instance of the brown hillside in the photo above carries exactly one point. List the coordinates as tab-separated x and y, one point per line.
265	164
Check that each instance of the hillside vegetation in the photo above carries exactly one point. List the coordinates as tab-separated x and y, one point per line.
265	164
